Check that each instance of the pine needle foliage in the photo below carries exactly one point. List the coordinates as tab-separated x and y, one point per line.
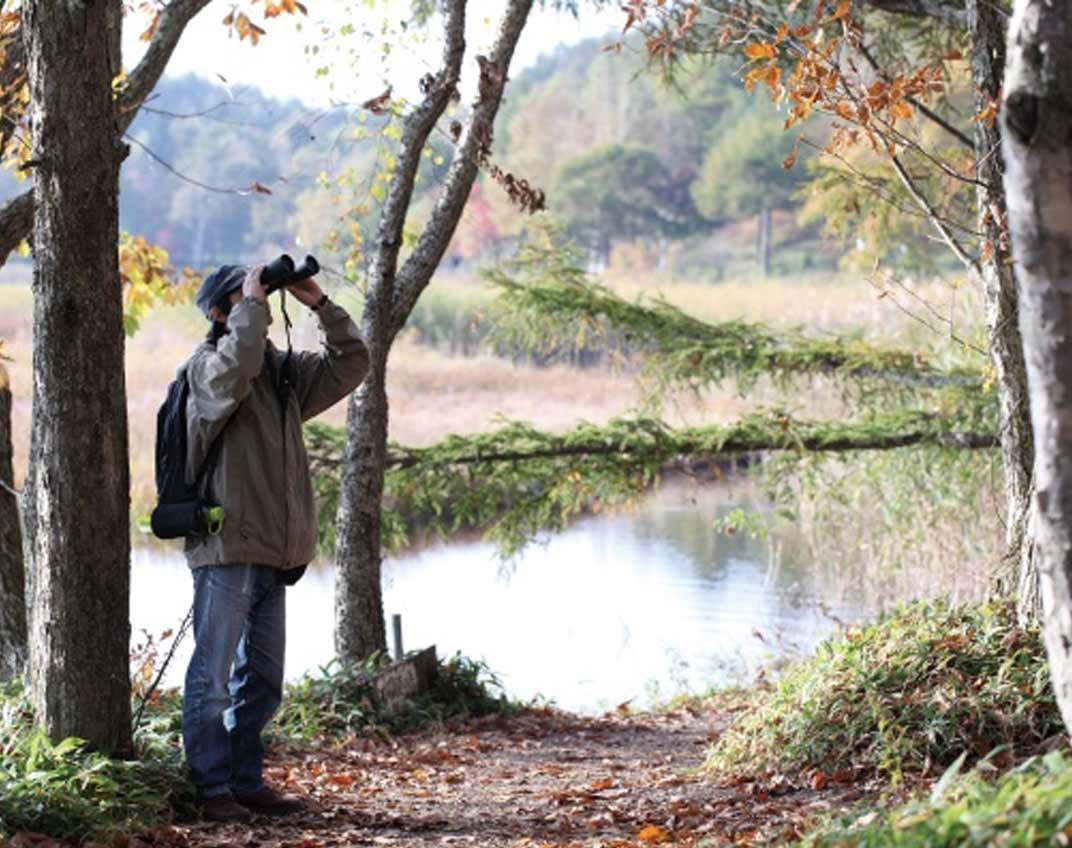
547	304
517	482
917	689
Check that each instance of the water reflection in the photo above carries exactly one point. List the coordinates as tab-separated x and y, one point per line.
619	607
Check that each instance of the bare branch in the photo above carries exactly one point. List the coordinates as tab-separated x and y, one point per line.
143	79
16	216
184	177
16	223
417	126
936	219
923	109
473	150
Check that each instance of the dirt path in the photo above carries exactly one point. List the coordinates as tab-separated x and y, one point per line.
540	780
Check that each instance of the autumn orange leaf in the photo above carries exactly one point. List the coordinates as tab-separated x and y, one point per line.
759	50
652	835
843	10
150	29
901	110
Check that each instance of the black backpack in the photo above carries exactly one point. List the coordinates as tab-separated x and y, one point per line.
181	510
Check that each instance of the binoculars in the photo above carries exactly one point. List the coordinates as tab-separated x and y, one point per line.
282	272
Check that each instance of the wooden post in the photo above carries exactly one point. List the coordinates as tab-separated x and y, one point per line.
396	623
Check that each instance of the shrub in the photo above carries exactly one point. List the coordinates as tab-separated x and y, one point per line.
67	792
914	690
1029	806
342	700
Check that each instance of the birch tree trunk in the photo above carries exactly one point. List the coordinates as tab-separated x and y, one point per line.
13	648
986	24
78	491
1037	118
390	297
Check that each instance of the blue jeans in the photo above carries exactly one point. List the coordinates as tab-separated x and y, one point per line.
235	678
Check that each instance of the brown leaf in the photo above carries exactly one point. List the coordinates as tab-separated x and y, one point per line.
653	835
260	188
378	105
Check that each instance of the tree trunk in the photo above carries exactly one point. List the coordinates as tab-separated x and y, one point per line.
1038	125
78	491
360	628
13	648
389	300
1018	574
763	240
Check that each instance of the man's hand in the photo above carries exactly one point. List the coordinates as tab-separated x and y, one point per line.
252	286
307	291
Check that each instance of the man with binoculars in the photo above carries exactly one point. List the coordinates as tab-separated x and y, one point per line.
246	404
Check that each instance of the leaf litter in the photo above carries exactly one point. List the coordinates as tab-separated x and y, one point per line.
539	779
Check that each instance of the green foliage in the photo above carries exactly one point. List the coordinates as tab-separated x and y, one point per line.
341	700
517	482
743	171
623	193
916	689
67	792
451	318
546	303
1029	806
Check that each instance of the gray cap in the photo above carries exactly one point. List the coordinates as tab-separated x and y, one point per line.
217	285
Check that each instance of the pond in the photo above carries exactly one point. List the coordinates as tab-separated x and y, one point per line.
632	606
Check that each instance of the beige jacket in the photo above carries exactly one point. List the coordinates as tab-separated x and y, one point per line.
262	476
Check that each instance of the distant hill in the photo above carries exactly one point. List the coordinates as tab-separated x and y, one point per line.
624	159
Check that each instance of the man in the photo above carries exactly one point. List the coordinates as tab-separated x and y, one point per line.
254	398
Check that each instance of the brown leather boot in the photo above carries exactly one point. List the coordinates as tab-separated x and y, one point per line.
270	802
224	808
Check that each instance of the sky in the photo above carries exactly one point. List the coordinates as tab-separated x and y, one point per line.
285	62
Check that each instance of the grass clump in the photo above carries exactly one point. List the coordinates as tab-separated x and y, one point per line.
912	691
342	700
1028	806
69	793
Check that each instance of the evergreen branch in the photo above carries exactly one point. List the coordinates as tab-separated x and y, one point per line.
546	304
517	482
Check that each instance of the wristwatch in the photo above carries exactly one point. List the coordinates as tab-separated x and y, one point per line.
321	302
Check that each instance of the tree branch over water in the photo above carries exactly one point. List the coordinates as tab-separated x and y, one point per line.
517	481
